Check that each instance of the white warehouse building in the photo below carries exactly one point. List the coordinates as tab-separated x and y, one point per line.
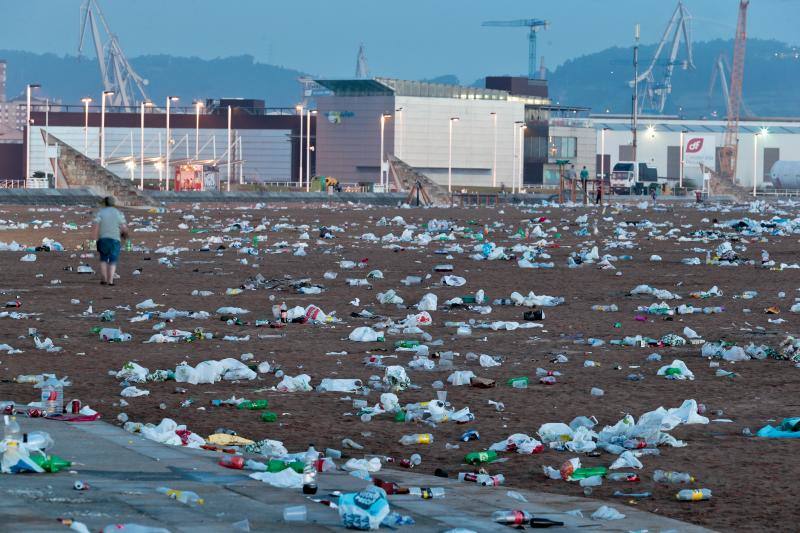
762	143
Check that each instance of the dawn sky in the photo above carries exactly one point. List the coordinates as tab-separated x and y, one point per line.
405	39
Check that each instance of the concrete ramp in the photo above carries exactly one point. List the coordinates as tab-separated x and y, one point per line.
79	171
405	177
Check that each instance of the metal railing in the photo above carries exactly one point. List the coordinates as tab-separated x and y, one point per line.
12	184
779	192
177	110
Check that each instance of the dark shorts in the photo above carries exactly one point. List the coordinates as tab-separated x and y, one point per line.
109	250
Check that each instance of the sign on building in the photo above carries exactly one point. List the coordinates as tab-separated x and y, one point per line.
700	149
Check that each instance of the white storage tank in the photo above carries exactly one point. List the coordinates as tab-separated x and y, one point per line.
786	174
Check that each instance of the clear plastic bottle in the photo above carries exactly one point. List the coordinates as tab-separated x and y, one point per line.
426	493
184	496
693	495
662	476
52	396
416	438
310	470
511	518
11	429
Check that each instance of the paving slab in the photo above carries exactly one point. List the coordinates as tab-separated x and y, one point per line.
123	470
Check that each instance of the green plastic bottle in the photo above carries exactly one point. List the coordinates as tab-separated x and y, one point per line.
256	405
517	380
468	299
50	463
400	416
269	416
476	458
583	473
406	344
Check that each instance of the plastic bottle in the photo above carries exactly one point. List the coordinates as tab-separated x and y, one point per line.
284	313
184	496
512	518
256	405
416	438
476	458
634	444
693	495
518	382
629	477
389	487
583	473
269	416
11	428
406	344
52	396
606	308
128	246
661	476
503	301
310	470
426	493
548	380
235	462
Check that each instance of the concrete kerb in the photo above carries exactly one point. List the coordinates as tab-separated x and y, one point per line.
123	471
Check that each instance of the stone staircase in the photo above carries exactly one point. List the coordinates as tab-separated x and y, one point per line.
78	171
405	176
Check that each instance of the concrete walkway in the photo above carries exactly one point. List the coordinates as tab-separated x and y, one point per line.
123	471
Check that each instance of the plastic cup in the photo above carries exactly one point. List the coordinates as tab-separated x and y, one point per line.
441	395
295	513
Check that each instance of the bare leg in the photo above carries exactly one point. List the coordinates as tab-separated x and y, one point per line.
112	269
104	271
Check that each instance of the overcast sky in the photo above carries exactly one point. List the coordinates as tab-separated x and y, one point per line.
403	38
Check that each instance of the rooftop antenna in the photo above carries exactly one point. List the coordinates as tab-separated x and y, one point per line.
362	69
116	72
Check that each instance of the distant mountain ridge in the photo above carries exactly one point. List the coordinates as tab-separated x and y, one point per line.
598	80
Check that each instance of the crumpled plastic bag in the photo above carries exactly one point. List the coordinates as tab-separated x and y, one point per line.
285	479
607	513
396	377
460	377
16	459
389	297
364	510
365	334
340	385
133	373
518	442
295	384
685	373
166	432
626	460
390	402
554	431
661	294
133	392
429	302
487	361
372	465
582	440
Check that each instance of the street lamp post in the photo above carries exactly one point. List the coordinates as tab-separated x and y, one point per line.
522	129
384	117
450	156
603	156
28	90
682	162
230	123
86	101
764	132
146	103
514	164
494	149
299	109
198	105
308	148
170	99
401	126
103	127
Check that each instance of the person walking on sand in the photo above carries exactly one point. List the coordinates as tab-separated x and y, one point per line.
109	230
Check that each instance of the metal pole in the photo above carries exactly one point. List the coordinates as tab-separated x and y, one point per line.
300	150
197	131
103	131
28	134
229	148
308	151
683	142
86	126
635	115
383	126
755	162
46	140
514	158
169	135
521	156
494	150
602	155
141	152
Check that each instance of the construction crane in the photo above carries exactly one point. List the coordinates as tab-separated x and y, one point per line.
721	71
534	25
730	150
656	92
116	72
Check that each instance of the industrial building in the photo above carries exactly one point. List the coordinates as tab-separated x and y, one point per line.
762	142
265	144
